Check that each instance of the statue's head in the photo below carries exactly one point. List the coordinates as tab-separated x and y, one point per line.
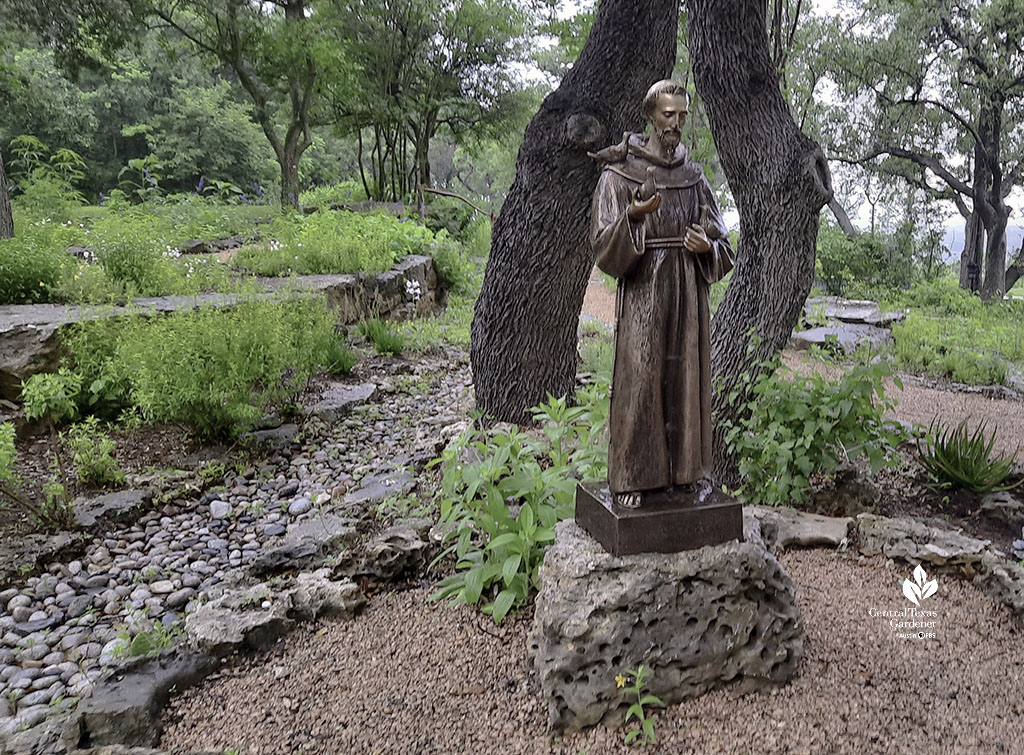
665	106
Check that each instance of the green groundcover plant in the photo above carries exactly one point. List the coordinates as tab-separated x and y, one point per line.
501	506
213	370
795	427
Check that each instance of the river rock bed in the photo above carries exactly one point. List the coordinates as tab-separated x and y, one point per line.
60	629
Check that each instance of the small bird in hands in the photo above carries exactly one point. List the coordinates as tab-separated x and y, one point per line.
708	222
647	198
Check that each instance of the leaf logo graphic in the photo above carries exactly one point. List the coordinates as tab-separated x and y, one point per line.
921	588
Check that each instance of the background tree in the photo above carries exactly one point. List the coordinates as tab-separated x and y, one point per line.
525	320
945	115
6	218
425	67
283	57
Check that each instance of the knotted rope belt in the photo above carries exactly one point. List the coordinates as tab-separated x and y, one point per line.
663	243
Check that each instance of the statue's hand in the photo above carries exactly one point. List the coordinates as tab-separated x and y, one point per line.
641	208
696	240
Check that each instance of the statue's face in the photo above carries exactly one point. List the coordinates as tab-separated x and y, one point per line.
668	118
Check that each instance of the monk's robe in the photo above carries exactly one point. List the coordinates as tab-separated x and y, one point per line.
660	421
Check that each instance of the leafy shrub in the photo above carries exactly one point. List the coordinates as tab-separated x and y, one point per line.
455	269
334	194
793	428
92	452
503	505
870	260
385	339
217	371
32	263
957	458
51	396
334	242
974	351
943	296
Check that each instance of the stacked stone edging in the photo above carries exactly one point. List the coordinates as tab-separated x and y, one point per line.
30	340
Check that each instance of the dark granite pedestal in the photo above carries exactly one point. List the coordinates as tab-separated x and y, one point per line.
668	521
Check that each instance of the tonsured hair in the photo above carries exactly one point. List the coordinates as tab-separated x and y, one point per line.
665	86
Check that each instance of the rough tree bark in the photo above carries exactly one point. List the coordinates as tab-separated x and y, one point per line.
524	325
1016	269
6	218
973	252
780	180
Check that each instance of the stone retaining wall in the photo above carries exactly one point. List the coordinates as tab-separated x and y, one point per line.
30	333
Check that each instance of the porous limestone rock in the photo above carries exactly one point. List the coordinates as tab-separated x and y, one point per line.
398	550
724	614
783	527
916	542
1004	507
316	594
1003	581
252	617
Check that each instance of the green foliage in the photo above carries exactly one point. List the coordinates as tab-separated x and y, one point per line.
325	197
455	269
46	180
334	242
54	510
32	263
214	370
943	296
958	458
866	260
217	371
597	352
643	734
52	397
92	452
793	428
503	504
338	359
385	339
950	333
160	637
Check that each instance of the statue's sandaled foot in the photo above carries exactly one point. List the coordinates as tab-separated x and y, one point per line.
629	500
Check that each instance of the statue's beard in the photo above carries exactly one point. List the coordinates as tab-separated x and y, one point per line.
668	138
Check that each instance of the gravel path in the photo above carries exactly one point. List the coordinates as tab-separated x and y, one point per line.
409	676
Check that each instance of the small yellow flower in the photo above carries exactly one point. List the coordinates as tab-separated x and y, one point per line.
620	681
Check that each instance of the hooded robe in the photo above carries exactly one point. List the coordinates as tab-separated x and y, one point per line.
660	421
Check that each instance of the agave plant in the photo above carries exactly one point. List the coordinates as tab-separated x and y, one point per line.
958	458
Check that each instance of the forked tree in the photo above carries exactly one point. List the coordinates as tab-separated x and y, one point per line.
524	326
524	330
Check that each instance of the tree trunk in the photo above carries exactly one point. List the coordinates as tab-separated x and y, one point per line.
1016	269
780	181
974	245
525	320
994	284
290	190
6	216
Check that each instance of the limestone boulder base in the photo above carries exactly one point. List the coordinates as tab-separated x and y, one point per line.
720	615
